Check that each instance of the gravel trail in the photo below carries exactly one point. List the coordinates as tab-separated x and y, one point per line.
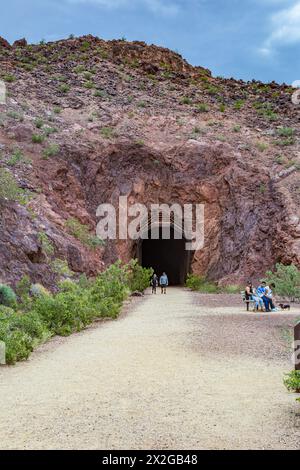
176	371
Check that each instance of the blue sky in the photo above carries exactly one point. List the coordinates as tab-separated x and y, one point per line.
234	38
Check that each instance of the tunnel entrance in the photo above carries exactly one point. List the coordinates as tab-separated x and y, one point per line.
168	256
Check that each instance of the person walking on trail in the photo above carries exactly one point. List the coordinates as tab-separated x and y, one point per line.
164	282
154	283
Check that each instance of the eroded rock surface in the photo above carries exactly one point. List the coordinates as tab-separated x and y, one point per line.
90	120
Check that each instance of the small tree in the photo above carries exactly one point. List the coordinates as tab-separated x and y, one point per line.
286	279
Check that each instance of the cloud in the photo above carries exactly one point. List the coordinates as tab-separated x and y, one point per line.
155	6
285	28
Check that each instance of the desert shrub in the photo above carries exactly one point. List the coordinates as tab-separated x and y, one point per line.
23	291
285	142
186	100
39	123
47	245
232	289
7	296
202	108
81	232
212	90
285	131
9	78
9	188
292	381
68	311
49	130
194	282
5	311
51	151
201	284
111	284
209	288
286	279
107	132
262	146
15	157
61	268
89	85
76	305
18	345
64	88
37	138
85	46
239	104
15	115
138	277
37	290
30	323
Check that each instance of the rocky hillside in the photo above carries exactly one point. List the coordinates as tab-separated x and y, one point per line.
87	120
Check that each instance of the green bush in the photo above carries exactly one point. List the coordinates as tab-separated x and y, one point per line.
68	311
286	279
81	232
64	88
9	78
37	290
194	282
47	245
51	151
7	296
37	138
110	289
75	306
285	132
30	323
18	345
23	291
8	187
202	108
201	284
107	132
139	277
292	381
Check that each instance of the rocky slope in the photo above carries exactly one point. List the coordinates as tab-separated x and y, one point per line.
87	120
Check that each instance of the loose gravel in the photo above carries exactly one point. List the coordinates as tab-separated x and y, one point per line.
176	371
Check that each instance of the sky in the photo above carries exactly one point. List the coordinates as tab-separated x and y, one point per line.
244	39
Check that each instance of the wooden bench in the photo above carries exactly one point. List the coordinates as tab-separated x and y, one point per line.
247	302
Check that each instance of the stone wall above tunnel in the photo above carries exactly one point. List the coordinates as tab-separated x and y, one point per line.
239	217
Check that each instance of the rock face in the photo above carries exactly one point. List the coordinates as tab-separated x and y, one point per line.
88	121
5	44
20	43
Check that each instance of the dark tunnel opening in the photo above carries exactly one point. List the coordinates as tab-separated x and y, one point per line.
168	256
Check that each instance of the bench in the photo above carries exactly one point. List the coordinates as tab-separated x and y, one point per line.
247	302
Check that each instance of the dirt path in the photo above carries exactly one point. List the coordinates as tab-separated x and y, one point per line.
176	372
